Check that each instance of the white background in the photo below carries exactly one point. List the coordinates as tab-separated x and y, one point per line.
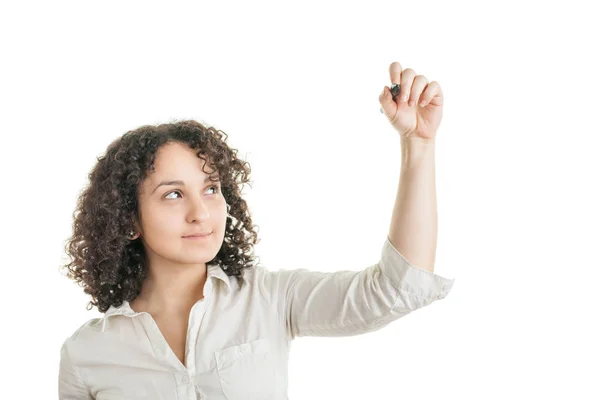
296	86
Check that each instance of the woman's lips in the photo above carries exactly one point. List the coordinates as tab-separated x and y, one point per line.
198	236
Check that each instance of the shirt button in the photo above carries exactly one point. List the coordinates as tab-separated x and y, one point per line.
186	379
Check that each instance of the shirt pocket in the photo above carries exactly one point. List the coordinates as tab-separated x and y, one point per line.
246	371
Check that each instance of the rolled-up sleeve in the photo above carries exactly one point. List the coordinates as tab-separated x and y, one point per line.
70	383
347	303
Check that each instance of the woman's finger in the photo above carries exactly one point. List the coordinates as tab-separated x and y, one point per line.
395	71
418	86
433	89
406	82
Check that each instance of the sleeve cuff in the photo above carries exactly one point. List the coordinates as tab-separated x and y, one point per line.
411	279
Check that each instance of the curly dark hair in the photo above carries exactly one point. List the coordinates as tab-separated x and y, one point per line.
105	262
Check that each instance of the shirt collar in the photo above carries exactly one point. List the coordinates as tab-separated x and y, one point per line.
214	273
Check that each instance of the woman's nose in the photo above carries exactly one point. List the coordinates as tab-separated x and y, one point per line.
199	211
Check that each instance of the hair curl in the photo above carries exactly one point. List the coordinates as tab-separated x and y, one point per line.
105	262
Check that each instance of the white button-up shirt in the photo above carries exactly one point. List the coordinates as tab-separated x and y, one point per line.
239	337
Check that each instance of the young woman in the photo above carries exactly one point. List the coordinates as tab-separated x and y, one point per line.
163	244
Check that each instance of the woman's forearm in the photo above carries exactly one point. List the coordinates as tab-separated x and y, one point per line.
413	229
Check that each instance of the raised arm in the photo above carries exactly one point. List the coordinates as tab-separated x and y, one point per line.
353	302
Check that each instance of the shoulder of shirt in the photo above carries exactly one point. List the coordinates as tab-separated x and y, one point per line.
73	336
260	278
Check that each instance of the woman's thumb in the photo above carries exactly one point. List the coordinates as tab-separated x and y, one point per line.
386	101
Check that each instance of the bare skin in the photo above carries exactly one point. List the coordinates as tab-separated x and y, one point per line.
172	324
177	265
175	333
173	328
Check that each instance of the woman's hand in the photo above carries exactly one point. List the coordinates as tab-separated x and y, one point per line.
405	112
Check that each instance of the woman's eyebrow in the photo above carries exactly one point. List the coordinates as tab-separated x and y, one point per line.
179	183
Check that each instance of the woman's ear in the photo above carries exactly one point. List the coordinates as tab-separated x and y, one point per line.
132	235
135	232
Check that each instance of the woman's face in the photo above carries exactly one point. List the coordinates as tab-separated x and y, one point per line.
171	211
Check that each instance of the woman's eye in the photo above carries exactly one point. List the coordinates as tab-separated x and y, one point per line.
216	190
175	191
